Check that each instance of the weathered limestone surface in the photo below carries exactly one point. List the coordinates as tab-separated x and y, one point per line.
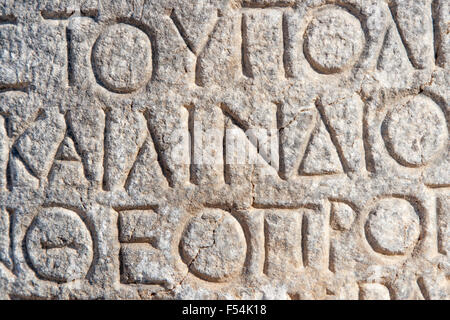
215	149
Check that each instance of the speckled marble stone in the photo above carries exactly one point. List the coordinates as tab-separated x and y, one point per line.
224	149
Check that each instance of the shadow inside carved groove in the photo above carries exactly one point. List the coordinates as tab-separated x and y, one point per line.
147	177
8	19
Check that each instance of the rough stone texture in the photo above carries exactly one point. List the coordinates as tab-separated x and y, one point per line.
215	149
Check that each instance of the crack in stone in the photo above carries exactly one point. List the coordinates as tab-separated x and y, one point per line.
180	283
294	118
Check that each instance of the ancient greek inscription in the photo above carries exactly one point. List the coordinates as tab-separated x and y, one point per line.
246	149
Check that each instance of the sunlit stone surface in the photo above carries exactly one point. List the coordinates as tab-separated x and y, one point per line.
224	149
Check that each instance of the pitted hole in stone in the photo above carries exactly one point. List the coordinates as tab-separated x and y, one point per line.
334	41
122	58
416	131
59	245
213	245
392	227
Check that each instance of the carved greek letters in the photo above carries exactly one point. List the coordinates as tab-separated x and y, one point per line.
245	149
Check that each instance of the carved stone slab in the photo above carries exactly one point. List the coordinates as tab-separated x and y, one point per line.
215	149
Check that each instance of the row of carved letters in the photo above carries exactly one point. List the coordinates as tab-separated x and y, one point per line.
195	50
